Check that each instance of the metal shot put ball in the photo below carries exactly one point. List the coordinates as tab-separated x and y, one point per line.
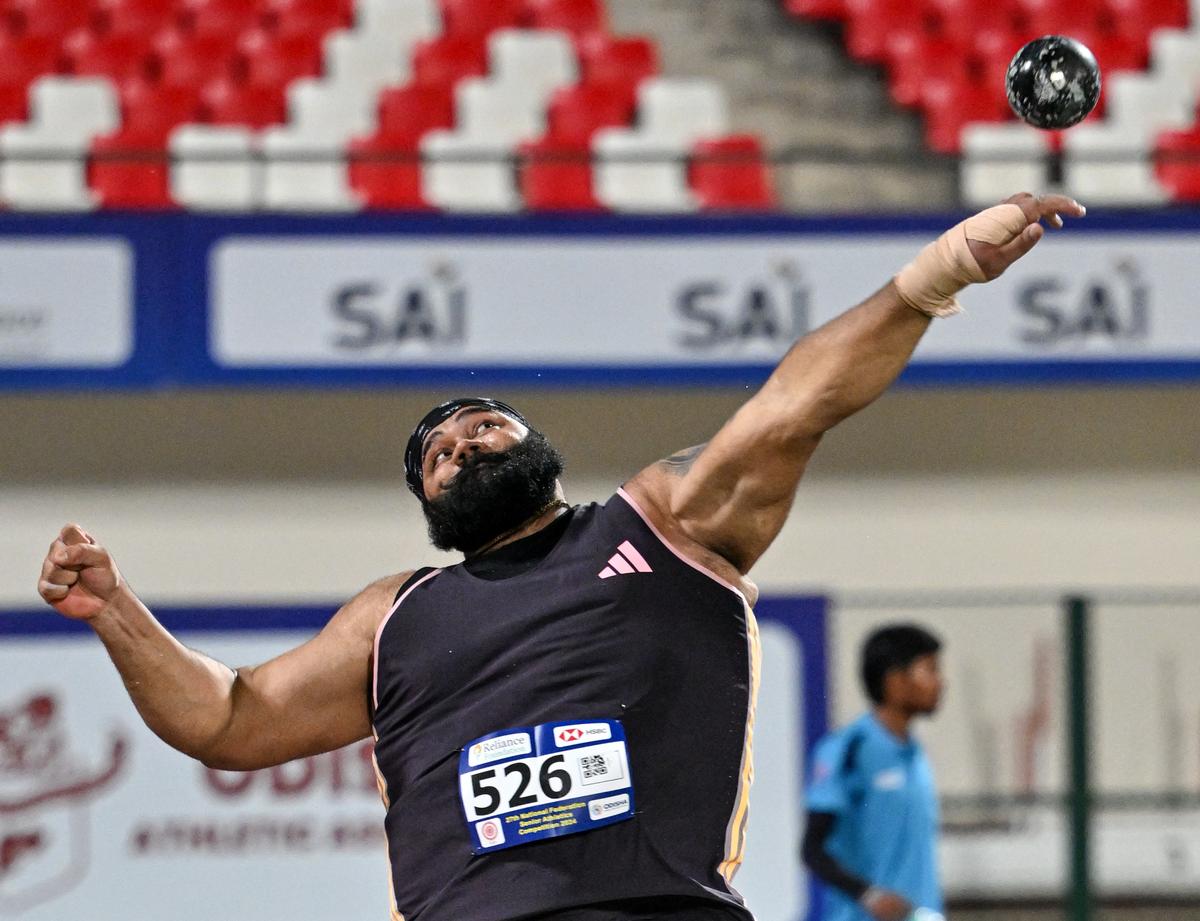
1053	82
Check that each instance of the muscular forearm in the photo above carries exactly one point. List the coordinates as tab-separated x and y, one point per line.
849	362
185	697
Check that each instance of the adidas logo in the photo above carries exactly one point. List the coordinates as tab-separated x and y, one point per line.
626	560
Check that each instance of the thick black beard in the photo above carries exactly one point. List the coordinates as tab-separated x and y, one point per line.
494	493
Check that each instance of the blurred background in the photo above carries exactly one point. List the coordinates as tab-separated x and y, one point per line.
247	244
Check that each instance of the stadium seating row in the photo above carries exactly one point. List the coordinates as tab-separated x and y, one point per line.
462	105
947	58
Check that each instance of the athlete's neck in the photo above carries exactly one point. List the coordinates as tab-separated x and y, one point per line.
543	517
895	720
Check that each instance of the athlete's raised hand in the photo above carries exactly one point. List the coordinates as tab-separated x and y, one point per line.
996	253
79	577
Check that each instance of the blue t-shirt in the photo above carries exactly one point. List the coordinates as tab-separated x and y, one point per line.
881	789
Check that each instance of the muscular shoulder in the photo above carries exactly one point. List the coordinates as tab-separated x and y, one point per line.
651	490
363	613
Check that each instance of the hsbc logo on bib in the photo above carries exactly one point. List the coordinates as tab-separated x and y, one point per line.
566	736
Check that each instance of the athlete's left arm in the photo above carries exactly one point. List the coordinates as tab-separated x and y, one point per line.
732	496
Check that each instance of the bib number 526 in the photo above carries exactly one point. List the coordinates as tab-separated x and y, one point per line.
518	784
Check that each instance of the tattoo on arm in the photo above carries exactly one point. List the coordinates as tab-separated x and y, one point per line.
679	463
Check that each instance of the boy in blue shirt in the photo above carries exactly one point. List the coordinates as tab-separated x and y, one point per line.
872	806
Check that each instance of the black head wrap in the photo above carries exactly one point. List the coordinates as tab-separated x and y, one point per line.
414	469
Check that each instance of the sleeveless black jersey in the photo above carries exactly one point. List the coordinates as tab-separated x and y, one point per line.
604	622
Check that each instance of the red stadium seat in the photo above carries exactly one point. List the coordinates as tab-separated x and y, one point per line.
223	17
608	59
138	17
154	109
14	103
309	17
915	59
444	61
1144	16
1054	17
229	102
730	174
962	20
817	9
578	17
385	171
189	59
950	106
481	17
1178	164
995	49
130	169
1119	52
311	10
277	60
410	111
873	21
119	57
556	175
23	59
577	112
52	17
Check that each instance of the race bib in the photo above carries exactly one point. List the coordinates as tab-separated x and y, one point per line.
522	785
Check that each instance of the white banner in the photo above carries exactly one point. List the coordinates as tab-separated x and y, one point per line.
370	301
100	820
65	303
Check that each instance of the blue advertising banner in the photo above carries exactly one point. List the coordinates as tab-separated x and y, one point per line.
384	300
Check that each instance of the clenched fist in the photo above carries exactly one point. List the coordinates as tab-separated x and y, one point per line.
79	578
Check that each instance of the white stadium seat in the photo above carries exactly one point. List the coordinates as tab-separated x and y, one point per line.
215	168
672	116
66	114
503	113
682	111
1127	180
468	186
493	117
82	106
407	20
324	116
999	159
322	108
656	185
1148	102
539	61
1175	53
366	60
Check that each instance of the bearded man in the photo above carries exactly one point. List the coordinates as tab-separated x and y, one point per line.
563	721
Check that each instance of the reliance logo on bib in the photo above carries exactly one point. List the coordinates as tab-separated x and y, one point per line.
490	750
565	736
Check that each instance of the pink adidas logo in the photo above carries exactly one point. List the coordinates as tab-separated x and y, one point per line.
625	561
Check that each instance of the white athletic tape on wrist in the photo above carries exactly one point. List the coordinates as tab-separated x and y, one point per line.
943	268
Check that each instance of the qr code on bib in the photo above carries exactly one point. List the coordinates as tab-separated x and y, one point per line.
593	767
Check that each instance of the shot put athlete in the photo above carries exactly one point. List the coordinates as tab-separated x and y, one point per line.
563	721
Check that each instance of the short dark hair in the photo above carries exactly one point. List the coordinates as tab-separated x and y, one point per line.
891	647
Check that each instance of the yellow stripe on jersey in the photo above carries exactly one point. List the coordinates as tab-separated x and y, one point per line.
735	833
383	794
379	779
